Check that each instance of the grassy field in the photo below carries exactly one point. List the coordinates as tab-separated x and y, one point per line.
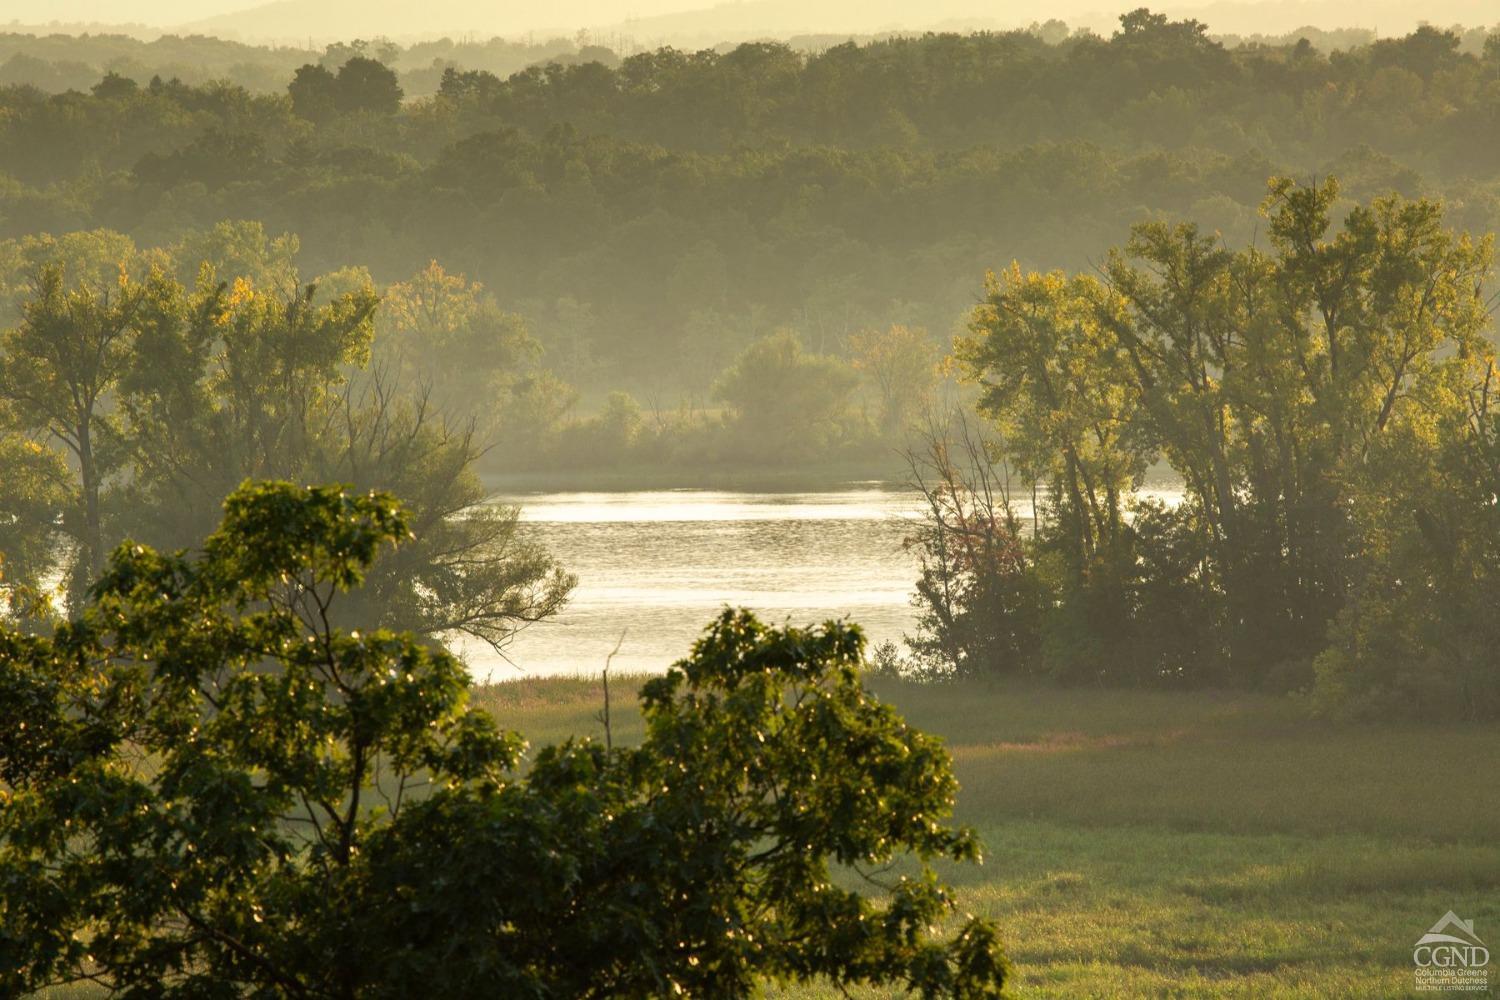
1183	845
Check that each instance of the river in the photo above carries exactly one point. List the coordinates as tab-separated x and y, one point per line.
658	565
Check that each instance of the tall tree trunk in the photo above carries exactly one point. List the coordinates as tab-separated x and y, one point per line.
93	530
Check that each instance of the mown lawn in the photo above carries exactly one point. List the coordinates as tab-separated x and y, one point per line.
1182	845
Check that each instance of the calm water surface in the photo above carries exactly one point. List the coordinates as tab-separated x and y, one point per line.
658	565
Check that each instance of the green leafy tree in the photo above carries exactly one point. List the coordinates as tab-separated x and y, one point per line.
239	250
785	400
229	383
1297	394
113	86
1056	386
314	92
60	366
91	260
1418	635
34	495
210	789
901	363
166	398
443	330
236	383
609	438
476	361
365	84
470	570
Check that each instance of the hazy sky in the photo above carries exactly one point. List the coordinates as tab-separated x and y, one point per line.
153	12
301	20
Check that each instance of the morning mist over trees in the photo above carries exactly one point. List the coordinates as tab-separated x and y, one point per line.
772	500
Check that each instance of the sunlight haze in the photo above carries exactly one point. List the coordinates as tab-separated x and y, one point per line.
578	499
697	22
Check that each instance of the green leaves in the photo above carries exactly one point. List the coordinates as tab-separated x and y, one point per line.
787	401
212	789
169	399
69	352
192	754
271	530
1294	393
701	862
765	745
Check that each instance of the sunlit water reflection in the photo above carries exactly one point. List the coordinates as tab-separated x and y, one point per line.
658	565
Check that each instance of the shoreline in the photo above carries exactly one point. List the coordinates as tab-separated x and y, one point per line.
763	480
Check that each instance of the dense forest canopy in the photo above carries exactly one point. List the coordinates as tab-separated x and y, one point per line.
58	61
651	217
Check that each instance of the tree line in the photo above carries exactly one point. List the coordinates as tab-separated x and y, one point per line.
58	62
775	404
1327	403
653	218
132	404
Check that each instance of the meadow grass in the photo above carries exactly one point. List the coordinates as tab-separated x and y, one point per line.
1184	845
1163	844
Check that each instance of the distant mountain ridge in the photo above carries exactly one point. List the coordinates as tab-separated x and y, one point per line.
401	19
689	23
780	18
